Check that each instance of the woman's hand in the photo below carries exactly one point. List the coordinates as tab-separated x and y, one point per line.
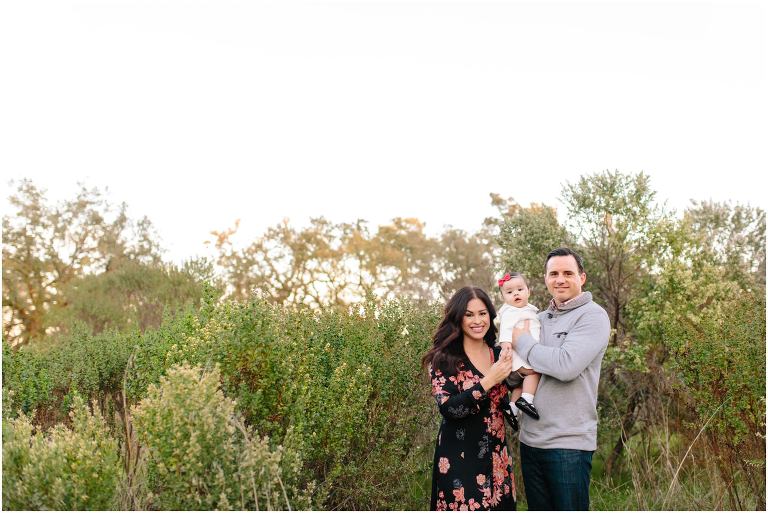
497	373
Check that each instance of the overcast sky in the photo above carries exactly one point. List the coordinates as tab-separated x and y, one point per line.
197	113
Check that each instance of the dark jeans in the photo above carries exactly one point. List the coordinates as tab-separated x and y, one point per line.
556	479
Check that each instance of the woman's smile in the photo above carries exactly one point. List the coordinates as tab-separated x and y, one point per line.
476	320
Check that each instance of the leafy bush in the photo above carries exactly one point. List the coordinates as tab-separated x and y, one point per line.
41	376
201	456
65	469
27	373
720	361
342	387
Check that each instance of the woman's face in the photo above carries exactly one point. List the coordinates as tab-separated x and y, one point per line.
476	320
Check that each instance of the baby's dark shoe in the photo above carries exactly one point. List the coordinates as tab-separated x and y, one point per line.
527	408
507	411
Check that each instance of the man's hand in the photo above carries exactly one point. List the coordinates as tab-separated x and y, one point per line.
516	332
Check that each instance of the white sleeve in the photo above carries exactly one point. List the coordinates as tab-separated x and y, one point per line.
507	323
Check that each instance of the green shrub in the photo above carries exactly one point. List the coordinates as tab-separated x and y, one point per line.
720	363
41	375
342	387
64	469
27	372
201	455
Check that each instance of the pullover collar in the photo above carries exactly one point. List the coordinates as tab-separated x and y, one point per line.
573	303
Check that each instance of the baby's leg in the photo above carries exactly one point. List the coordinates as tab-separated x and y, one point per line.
525	403
530	384
517	392
511	411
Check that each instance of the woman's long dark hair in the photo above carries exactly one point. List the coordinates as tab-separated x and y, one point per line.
448	341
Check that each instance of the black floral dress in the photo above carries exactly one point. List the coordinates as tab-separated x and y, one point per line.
471	469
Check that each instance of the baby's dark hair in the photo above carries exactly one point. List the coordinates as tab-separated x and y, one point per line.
509	275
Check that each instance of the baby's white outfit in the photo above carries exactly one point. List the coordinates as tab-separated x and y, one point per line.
509	317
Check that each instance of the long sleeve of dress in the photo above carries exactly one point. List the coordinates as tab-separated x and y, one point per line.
452	401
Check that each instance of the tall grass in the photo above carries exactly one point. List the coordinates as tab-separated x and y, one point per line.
665	469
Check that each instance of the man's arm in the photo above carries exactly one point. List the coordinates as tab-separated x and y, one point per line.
582	344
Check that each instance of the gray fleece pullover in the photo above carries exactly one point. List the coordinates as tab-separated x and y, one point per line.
572	343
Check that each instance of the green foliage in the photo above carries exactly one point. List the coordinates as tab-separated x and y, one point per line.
202	457
694	316
40	376
248	404
64	469
627	199
731	237
669	470
27	374
720	359
133	296
525	237
343	388
617	224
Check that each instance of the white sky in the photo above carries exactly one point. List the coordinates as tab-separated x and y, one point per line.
197	113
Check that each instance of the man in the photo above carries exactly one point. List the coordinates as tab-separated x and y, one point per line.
556	450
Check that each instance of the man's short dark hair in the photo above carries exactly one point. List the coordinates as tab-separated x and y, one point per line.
565	252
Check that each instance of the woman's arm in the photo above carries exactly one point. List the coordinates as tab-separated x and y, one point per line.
454	403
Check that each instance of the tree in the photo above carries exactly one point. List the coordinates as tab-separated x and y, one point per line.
286	265
710	331
47	246
525	236
360	257
732	237
405	255
331	264
132	296
464	259
618	228
615	218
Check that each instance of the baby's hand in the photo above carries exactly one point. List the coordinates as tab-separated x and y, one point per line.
506	351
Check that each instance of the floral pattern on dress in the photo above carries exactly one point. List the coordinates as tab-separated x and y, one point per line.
472	469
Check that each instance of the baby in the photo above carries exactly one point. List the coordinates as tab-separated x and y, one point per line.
515	311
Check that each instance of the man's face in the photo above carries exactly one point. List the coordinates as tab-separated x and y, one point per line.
563	279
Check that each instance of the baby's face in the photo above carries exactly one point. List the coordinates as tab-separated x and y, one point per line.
515	292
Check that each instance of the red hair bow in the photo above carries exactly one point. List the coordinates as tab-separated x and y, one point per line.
506	278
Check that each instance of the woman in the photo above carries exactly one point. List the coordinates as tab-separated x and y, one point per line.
471	468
